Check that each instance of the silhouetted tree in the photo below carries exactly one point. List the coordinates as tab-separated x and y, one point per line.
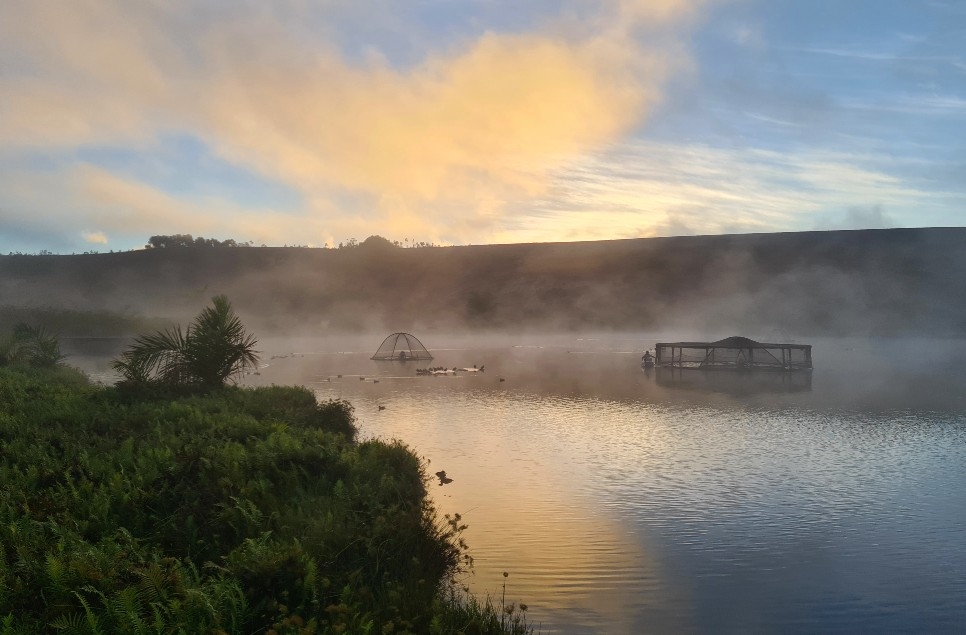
377	242
187	240
352	242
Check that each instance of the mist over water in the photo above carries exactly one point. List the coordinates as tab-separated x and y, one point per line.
625	501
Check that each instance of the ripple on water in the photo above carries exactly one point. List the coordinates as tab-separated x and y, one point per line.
658	511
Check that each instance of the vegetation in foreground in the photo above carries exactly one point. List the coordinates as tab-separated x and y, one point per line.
172	503
236	511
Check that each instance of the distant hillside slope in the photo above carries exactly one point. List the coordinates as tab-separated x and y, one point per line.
872	281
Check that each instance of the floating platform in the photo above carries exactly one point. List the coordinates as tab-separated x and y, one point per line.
733	353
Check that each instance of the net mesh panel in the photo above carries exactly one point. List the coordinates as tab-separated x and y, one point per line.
799	356
681	356
402	347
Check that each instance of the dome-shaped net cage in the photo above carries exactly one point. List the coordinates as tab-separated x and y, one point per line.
401	347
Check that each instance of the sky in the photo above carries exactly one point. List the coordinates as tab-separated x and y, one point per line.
311	122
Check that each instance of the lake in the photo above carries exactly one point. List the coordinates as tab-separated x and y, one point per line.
625	501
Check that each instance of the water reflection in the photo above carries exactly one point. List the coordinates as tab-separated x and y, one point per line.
93	355
738	383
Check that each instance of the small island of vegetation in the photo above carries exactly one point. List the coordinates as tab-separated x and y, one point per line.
177	502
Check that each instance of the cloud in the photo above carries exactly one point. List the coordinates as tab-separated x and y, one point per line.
648	12
129	206
94	237
87	72
55	210
746	35
488	119
860	217
647	188
636	189
497	113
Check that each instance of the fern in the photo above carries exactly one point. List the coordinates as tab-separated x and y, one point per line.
90	618
125	608
74	624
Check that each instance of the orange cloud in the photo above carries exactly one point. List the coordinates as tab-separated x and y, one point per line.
94	237
125	205
91	72
443	145
502	112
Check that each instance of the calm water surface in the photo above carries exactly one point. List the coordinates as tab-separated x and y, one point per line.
620	501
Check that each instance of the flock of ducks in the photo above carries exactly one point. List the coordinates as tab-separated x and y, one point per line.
442	370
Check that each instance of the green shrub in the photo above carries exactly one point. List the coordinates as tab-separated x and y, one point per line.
236	511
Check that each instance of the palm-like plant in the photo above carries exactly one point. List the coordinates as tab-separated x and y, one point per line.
10	350
30	345
214	348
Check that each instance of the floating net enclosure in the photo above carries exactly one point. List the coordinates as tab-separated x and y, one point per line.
401	347
738	353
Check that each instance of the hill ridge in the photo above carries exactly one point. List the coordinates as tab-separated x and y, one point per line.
882	281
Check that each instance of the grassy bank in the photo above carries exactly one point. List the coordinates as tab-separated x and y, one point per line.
236	511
